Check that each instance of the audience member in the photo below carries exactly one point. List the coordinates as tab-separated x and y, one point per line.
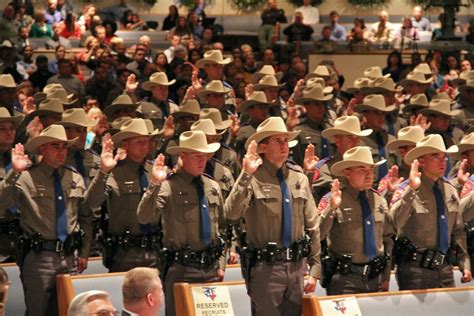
358	22
42	74
40	28
142	292
270	17
419	21
358	43
22	38
66	78
325	44
406	34
52	14
4	287
382	31
171	19
57	39
175	41
338	31
394	65
310	13
92	302
298	31
26	66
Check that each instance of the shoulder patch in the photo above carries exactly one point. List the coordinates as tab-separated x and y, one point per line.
397	195
71	168
467	188
319	165
294	166
323	203
383	184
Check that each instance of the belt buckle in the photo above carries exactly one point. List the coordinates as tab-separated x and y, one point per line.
59	246
143	242
288	254
203	255
366	269
439	259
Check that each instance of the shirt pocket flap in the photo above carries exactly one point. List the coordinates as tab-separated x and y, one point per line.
130	187
42	191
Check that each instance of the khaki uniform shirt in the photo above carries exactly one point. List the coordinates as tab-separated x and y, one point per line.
371	142
7	216
121	189
228	157
415	216
257	198
243	134
223	176
33	192
175	203
90	159
323	175
344	227
467	200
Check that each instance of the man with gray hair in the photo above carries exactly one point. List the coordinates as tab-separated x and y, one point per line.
142	292
92	302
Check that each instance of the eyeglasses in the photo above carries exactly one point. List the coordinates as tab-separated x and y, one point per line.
106	313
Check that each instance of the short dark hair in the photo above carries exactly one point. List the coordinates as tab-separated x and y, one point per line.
334	12
64	61
41	59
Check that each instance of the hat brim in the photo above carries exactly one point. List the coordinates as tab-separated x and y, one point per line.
204	93
259	136
405	82
201	63
457	81
338	168
42	112
426	150
16	120
223	125
302	101
395	144
111	109
119	137
378	90
461	149
365	107
261	86
413	108
210	148
248	103
177	115
428	111
149	85
313	75
257	76
72	124
331	132
34	144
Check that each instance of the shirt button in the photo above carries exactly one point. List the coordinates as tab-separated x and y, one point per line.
442	217
287	200
204	206
60	198
369	223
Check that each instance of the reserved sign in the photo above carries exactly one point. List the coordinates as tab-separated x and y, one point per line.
340	306
212	300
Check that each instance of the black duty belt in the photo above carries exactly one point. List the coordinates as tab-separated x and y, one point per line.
271	254
187	257
429	259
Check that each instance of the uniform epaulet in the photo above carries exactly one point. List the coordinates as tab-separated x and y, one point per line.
294	166
323	203
467	187
225	145
93	152
319	165
208	176
397	195
71	168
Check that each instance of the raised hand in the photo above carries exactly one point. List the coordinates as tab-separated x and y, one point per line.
292	120
160	170
168	127
251	160
298	90
422	121
34	128
29	106
20	160
310	159
248	90
350	107
310	285
463	176
107	159
235	126
415	175
466	276
336	199
131	85
393	181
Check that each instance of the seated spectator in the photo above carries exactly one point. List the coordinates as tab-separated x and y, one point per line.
298	31
139	62
52	14
419	21
182	30
207	37
358	42
439	32
64	8
171	19
358	22
57	39
99	85
382	31
8	27
195	26
117	10
325	44
42	74
175	40
194	55
110	29
40	28
86	17
406	34
338	32
309	12
67	79
95	21
26	67
270	17
126	19
100	35
219	46
470	34
466	65
22	38
59	53
4	287
69	27
9	58
118	86
394	65
136	23
92	302
142	292
268	58
21	18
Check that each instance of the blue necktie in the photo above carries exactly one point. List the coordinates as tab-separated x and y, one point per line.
391	127
442	219
324	147
80	165
286	205
7	161
144	228
61	215
370	248
381	148
203	212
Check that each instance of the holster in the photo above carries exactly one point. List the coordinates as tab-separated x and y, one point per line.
469	228
109	249
329	268
165	259
247	261
403	250
23	246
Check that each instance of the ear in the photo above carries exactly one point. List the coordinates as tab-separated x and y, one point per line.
345	173
261	148
150	299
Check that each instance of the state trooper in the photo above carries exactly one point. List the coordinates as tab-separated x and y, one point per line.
425	212
121	182
356	222
276	203
189	207
48	197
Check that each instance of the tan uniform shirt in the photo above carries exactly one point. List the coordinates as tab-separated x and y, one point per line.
344	227
223	176
90	159
415	216
176	203
7	216
33	191
121	189
258	199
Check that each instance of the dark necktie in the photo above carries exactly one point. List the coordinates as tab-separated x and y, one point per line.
144	228
391	127
209	170
381	148
324	147
286	206
80	165
61	215
203	212
370	248
442	219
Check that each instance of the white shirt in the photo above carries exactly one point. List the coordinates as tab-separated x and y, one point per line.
310	14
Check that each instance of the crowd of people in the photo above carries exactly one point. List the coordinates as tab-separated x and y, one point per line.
192	158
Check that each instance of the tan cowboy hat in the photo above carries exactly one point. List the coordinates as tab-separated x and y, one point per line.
257	97
157	79
320	71
121	102
6	117
430	144
466	144
355	157
417	102
212	57
193	141
360	85
266	70
216	117
424	68
375	73
313	93
437	107
374	102
215	86
116	124
132	128
407	136
187	108
345	125
52	133
443	96
318	81
40	96
7	81
206	126
268	81
272	126
381	85
469	86
463	77
48	106
415	77
61	94
76	117
151	128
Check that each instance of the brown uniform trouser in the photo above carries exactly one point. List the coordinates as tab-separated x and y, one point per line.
353	283
127	259
38	276
179	273
276	289
411	276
